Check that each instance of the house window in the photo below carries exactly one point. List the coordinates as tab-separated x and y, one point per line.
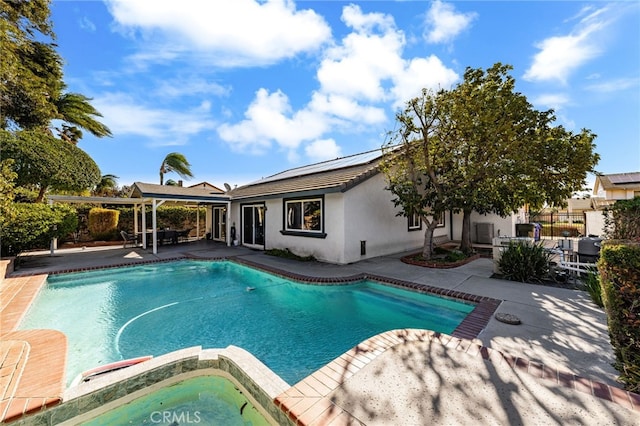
415	223
304	217
441	221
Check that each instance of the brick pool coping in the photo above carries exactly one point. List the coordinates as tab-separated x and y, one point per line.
308	398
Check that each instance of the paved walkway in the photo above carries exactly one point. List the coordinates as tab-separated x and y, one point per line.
424	381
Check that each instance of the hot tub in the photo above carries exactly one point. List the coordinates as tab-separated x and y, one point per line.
190	398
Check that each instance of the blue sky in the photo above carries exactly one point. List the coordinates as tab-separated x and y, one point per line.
246	89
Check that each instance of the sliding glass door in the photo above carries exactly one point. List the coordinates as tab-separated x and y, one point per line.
253	225
220	223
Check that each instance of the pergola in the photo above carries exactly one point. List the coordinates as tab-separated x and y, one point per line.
144	194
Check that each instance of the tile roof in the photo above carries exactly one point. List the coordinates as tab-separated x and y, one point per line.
340	174
141	189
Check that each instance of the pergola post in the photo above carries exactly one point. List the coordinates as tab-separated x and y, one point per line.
144	225
228	224
154	224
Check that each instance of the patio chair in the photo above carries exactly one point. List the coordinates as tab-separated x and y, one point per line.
129	238
183	235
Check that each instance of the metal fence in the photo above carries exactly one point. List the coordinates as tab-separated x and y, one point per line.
561	224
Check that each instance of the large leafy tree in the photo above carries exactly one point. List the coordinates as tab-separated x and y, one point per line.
30	69
32	90
44	162
482	147
175	162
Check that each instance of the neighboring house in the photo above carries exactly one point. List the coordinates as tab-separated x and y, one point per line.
618	186
338	211
207	185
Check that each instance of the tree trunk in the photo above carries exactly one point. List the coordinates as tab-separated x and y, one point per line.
465	239
40	197
427	248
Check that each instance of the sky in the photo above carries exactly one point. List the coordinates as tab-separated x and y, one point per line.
246	89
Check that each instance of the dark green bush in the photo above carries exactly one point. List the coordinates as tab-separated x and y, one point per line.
34	225
619	267
525	262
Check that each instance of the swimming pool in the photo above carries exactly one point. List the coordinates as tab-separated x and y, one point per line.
294	328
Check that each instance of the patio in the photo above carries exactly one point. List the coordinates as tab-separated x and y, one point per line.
554	367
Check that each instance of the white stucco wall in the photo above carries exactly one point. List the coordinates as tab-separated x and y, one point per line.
595	222
327	249
371	216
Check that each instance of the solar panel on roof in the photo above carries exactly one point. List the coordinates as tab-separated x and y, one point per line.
324	166
623	178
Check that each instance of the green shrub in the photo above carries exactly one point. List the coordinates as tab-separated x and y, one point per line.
34	225
619	267
622	220
525	262
175	217
288	254
103	223
593	287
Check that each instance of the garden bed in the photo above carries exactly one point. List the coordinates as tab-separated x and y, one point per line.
416	259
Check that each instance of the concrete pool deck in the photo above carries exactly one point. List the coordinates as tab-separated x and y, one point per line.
553	368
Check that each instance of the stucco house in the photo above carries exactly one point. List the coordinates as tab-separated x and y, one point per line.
338	211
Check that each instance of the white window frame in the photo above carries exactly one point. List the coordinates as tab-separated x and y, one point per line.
302	201
414	222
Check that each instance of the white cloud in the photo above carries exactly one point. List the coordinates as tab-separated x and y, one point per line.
161	126
421	73
323	149
233	33
559	56
345	108
357	79
443	23
365	58
190	85
86	24
614	85
552	100
270	118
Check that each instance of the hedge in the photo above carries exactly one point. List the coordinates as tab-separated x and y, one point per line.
619	267
34	225
103	223
175	217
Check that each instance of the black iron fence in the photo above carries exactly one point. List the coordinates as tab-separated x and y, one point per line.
561	224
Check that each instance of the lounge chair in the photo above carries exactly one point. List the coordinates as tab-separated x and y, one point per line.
129	238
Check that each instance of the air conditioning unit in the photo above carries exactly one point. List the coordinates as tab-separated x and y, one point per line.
484	233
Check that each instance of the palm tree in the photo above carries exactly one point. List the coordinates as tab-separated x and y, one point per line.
75	109
108	185
175	162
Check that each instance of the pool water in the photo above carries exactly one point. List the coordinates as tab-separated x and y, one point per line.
294	328
206	400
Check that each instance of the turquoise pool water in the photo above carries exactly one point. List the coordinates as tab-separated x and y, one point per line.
205	400
294	328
